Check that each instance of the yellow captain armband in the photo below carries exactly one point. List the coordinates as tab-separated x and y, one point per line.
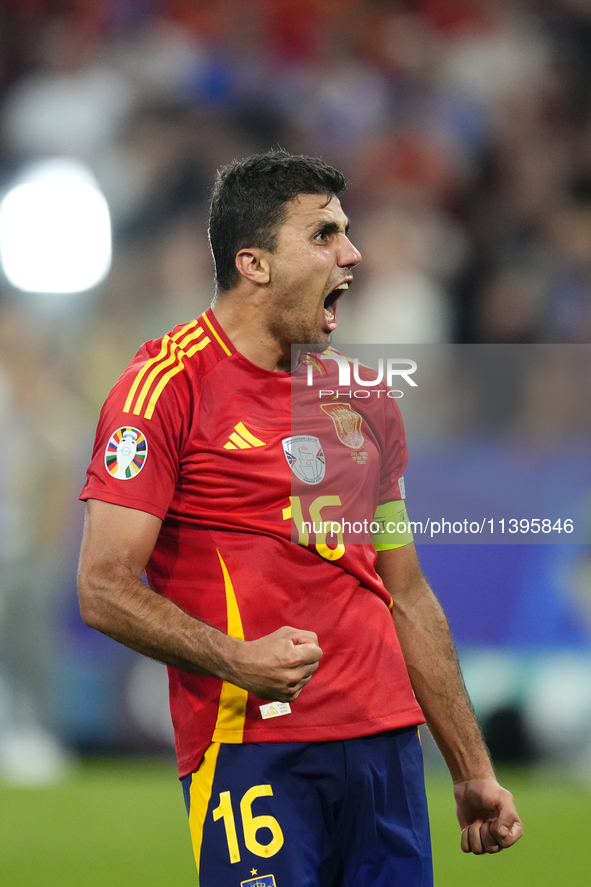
395	531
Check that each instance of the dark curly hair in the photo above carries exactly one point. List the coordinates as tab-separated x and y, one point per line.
249	203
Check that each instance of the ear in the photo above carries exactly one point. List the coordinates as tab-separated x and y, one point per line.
253	264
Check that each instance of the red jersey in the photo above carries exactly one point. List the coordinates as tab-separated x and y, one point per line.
197	435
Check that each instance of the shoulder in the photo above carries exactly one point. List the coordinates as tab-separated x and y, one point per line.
165	368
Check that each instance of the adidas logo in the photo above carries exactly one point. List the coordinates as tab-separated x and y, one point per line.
242	439
274	709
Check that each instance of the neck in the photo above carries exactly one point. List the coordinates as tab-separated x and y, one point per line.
243	318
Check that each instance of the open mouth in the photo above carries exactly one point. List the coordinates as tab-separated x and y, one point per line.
331	305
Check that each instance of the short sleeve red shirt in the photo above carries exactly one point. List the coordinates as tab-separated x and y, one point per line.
208	442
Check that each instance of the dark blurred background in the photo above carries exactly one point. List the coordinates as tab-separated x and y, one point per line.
464	128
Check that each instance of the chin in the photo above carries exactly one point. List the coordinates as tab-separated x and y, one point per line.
319	347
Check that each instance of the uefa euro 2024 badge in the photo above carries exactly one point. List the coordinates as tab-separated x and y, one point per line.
305	458
126	453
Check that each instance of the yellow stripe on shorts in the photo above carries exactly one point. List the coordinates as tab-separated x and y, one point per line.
229	728
201	788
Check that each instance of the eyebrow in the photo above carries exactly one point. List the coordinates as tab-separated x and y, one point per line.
330	227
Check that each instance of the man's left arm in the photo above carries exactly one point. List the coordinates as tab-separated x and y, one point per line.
485	810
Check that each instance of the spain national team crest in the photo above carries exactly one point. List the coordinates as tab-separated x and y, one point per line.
261	881
305	458
347	423
126	453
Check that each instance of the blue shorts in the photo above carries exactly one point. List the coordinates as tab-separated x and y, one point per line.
348	813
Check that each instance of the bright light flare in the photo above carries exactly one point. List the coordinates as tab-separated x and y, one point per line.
55	230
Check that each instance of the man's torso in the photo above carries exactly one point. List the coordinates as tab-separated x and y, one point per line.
236	474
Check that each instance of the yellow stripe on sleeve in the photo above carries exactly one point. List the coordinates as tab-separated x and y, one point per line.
172	357
185	329
176	355
158	363
143	371
168	376
190	337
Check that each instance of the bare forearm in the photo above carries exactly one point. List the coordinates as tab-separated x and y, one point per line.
123	608
116	546
434	671
432	664
485	809
276	666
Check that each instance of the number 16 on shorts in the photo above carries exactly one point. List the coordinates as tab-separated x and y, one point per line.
250	826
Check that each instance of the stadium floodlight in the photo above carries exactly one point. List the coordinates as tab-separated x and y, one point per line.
55	229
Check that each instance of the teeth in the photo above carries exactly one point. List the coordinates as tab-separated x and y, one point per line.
343	286
329	314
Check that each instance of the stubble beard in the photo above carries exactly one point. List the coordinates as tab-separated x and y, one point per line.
301	333
319	347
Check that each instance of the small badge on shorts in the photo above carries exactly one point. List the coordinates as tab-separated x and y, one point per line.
274	710
261	881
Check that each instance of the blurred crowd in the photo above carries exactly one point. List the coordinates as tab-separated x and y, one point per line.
463	127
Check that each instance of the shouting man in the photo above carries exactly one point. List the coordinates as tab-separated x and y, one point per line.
299	671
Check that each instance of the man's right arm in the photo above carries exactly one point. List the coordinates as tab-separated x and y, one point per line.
116	547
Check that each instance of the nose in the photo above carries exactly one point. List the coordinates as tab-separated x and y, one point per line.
349	255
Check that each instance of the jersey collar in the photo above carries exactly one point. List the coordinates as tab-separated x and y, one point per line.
227	349
219	337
